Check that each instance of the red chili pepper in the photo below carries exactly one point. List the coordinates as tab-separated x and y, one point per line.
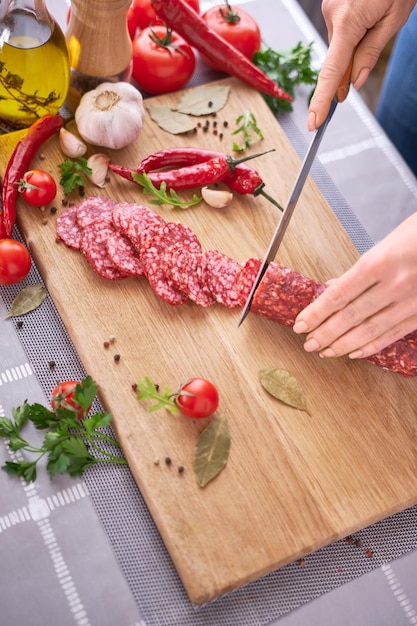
20	162
179	16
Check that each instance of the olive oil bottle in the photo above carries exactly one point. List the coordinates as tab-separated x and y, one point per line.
34	62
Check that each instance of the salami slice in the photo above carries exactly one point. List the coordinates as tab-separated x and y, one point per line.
143	219
123	254
93	245
283	293
181	265
122	212
67	228
182	233
151	254
218	274
94	208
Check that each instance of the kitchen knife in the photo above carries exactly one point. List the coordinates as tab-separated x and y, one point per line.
289	208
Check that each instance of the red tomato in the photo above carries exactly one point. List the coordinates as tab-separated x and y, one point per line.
143	15
197	398
37	187
162	60
63	397
15	261
235	26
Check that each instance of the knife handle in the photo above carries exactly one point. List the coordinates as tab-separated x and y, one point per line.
343	89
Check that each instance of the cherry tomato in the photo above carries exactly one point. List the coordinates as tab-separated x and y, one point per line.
235	26
162	60
37	187
143	15
197	398
63	397
15	261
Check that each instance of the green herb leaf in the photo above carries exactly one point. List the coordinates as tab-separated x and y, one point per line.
148	390
161	195
211	451
7	427
28	299
73	172
248	126
288	68
284	386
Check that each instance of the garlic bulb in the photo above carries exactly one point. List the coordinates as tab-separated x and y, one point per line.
111	115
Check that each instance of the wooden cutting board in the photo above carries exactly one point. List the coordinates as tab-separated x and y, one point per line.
295	481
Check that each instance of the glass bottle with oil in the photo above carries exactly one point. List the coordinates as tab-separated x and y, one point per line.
34	63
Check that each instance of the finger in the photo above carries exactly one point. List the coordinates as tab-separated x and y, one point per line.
367	54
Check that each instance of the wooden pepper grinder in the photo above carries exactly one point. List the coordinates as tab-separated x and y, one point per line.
99	45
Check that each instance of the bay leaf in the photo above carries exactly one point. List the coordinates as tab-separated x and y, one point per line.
284	386
204	100
172	121
211	451
27	300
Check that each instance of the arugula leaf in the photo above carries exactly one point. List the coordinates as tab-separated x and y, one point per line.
73	172
148	390
161	195
69	443
249	128
287	68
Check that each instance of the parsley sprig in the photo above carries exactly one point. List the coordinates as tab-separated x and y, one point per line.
161	196
287	68
248	126
69	443
73	173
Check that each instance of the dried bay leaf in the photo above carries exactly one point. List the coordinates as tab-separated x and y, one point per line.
172	121
204	100
284	386
27	300
211	451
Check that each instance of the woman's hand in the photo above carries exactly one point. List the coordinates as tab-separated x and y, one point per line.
358	32
370	306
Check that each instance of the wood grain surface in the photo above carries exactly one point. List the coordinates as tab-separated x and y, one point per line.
295	481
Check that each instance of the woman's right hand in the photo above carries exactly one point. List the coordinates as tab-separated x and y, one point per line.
358	32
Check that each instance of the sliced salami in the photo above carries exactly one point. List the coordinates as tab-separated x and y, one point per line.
141	220
123	254
151	254
121	215
181	264
94	208
218	274
67	228
182	233
283	293
93	245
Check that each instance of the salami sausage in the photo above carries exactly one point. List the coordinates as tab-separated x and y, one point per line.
93	245
218	274
94	208
67	228
283	293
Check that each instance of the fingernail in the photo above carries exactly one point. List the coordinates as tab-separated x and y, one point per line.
300	327
342	93
361	77
311	121
356	354
311	345
328	352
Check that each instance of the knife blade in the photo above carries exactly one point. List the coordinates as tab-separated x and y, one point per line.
285	218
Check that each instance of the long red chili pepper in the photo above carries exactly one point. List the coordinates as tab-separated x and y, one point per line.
179	16
20	162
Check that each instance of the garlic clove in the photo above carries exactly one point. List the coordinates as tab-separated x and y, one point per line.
70	145
218	198
99	164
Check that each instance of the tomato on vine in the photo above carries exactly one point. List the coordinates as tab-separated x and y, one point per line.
15	261
162	60
63	397
236	26
37	187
